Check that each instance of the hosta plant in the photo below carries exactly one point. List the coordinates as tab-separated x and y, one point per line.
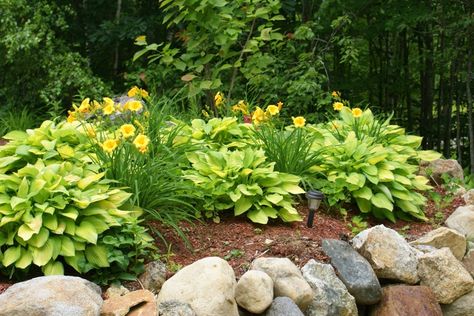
245	182
55	207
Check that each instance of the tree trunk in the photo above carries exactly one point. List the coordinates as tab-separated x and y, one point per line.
469	108
116	50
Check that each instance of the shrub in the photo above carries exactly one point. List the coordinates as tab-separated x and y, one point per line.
56	208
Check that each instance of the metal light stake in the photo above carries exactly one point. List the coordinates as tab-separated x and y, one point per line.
314	200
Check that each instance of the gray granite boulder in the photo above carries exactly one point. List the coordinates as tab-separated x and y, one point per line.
283	306
463	306
445	275
468	197
354	271
388	253
175	308
52	296
254	291
462	220
468	262
287	279
444	237
331	297
437	168
207	285
154	276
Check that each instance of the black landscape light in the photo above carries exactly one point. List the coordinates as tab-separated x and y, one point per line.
314	200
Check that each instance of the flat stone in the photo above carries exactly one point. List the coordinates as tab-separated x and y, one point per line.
154	276
254	291
445	275
331	297
463	306
136	303
462	220
354	271
207	285
175	308
444	237
406	300
388	253
468	262
287	279
54	295
283	306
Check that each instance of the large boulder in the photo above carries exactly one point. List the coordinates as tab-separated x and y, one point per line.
408	301
468	197
468	262
283	306
207	286
354	271
138	303
437	168
52	296
154	276
463	306
445	275
331	297
444	237
462	220
388	253
254	291
287	279
175	308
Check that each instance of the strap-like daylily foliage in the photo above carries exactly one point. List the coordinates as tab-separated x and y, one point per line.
55	205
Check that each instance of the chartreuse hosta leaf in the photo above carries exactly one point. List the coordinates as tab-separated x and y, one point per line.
245	181
55	205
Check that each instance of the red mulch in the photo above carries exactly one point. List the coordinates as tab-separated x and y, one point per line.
240	241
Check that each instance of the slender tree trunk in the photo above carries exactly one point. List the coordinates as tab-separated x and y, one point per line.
469	109
118	12
406	83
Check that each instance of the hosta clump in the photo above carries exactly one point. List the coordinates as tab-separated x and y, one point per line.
55	207
244	181
374	164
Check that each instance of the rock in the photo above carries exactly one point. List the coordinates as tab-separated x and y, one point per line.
116	290
468	197
283	306
141	302
254	291
331	297
444	237
287	279
207	285
462	220
407	301
470	245
175	308
388	253
421	249
463	306
468	262
445	275
52	296
436	168
354	271
154	276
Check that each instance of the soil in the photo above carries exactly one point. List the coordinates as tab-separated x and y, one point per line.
240	241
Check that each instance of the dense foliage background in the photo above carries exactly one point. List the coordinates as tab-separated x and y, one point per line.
412	58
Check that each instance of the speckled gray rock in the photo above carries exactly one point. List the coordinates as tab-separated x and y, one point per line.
287	279
388	253
283	306
254	291
331	297
444	237
438	167
468	262
52	296
207	285
445	275
469	197
154	276
354	271
175	308
462	220
463	306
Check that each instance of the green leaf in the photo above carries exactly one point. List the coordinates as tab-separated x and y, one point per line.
258	216
11	255
364	193
381	201
364	205
274	198
87	232
386	175
41	256
85	182
53	268
39	239
25	232
97	255
67	247
385	191
25	260
428	155
242	206
292	188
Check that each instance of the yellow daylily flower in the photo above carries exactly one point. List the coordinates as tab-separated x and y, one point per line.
127	130
133	105
71	117
133	91
336	94
85	106
356	112
108	109
141	141
299	121
273	110
218	99
258	115
338	106
280	105
141	38
109	145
